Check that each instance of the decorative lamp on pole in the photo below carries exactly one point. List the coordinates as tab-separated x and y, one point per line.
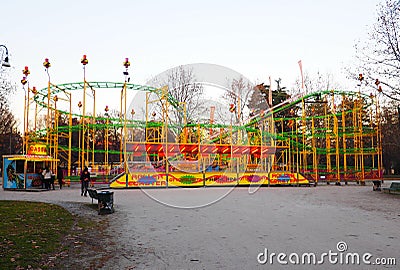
133	133
47	65
377	83
126	64
84	62
55	98
24	81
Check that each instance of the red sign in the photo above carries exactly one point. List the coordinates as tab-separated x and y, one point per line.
37	149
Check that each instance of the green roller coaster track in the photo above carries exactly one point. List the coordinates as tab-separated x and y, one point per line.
54	89
41	96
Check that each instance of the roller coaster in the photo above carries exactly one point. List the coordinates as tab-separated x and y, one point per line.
327	136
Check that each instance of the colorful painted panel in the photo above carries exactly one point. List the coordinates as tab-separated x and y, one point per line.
287	178
253	179
220	179
33	180
179	179
140	180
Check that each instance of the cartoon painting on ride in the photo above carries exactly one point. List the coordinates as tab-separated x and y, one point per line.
329	135
11	178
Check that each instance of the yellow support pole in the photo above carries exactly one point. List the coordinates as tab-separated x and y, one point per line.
361	139
336	133
36	108
165	115
106	144
327	140
120	122
24	143
371	125
55	132
93	127
48	115
26	134
314	149
344	137
297	149
70	136
79	143
355	138
303	131
379	138
125	131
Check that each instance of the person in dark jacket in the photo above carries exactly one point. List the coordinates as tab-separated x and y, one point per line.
85	179
60	176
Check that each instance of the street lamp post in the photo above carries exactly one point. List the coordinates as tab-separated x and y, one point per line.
4	61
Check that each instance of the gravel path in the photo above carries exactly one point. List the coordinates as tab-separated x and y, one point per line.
230	233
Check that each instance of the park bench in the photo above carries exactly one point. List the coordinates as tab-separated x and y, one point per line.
105	200
394	188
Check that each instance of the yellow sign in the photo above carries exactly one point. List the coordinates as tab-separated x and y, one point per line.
37	149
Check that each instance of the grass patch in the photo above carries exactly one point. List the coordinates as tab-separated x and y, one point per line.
30	231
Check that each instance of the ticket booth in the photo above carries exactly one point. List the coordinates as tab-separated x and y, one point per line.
21	172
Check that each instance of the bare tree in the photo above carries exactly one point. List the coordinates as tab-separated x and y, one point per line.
390	122
379	56
314	83
238	94
6	89
184	95
7	119
10	139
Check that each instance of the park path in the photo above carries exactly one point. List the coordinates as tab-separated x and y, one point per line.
230	233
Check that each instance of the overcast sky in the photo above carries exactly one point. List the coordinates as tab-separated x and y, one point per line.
256	38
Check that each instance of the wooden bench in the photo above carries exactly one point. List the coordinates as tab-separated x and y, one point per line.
105	200
393	189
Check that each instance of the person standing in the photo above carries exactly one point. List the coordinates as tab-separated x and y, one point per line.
47	177
41	177
52	179
85	179
60	176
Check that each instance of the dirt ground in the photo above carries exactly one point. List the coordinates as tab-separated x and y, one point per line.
144	233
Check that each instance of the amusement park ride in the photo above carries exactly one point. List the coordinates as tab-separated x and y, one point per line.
330	136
